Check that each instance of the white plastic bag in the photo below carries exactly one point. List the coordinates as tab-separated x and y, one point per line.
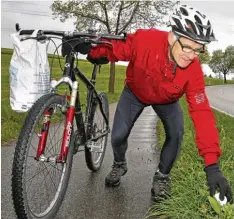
29	72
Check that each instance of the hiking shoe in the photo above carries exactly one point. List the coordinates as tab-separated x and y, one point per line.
161	186
114	176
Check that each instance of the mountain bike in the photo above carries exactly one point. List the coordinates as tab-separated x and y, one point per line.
56	127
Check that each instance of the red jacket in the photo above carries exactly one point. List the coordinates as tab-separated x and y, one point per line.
149	76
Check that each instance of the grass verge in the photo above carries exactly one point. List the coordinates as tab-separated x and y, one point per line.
12	121
190	196
216	81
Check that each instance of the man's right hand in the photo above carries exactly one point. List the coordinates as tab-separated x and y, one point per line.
215	178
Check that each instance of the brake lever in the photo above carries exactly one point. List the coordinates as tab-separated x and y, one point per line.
98	42
28	38
42	37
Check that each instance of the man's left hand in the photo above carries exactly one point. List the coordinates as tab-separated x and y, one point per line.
215	178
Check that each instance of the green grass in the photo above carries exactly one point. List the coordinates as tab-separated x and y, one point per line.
216	81
12	121
6	51
188	183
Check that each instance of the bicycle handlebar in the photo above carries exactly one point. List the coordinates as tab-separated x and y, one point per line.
72	34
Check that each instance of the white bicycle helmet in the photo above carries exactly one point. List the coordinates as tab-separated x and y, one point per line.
188	22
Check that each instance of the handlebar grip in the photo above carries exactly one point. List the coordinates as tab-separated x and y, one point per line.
51	32
113	37
26	32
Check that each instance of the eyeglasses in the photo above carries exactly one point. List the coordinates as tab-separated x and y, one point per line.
188	49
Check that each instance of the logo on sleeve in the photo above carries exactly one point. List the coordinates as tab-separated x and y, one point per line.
200	98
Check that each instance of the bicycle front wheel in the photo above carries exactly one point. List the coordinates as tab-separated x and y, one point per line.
39	185
95	150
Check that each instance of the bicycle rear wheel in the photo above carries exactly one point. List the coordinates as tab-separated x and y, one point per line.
95	150
39	186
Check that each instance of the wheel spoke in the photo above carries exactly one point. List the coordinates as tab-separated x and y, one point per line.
48	174
55	167
54	145
31	178
35	175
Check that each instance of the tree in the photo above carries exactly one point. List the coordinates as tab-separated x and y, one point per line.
113	17
205	57
222	61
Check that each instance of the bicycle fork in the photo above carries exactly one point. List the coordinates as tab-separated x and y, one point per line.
67	131
69	124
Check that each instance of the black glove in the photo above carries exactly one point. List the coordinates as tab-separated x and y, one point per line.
215	178
83	48
98	61
78	45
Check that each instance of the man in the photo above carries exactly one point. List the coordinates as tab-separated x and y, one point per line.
162	67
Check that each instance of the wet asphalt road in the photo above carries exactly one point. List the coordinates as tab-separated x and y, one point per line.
87	197
221	97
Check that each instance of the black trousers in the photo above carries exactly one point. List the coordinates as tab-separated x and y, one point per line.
128	110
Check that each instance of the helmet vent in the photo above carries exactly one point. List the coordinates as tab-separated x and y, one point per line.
208	33
190	26
198	19
178	23
202	15
184	11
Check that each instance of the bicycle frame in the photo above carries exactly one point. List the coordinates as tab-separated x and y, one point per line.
74	110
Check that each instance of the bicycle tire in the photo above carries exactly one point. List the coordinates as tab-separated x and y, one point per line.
19	193
88	154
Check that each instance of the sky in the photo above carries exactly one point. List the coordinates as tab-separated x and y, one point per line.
30	15
37	14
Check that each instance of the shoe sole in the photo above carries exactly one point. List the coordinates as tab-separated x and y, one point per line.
114	184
